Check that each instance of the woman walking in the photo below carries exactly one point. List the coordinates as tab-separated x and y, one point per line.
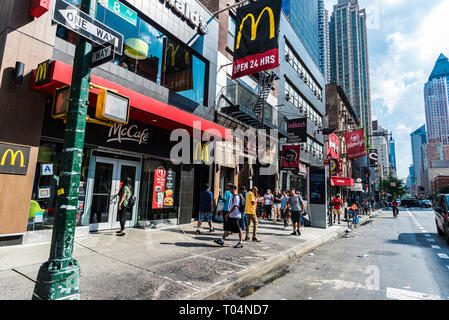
277	205
284	209
268	204
125	195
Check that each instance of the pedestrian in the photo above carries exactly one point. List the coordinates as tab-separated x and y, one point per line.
337	202
259	201
206	206
250	211
227	199
296	205
125	195
277	205
268	204
301	216
242	195
284	209
232	219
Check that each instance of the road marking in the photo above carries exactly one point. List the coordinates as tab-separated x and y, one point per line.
436	247
443	256
447	267
430	240
427	235
424	231
399	294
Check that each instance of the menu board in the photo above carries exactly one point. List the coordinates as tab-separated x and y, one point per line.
163	188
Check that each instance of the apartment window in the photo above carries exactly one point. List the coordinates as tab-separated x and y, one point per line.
304	107
231	33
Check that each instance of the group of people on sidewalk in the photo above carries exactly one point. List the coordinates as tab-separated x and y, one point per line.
337	204
241	208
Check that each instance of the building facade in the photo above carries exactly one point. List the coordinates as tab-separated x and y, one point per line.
323	38
418	139
349	57
167	69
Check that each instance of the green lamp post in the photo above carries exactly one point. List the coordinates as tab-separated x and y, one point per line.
59	277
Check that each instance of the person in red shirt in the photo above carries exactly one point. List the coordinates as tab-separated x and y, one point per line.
337	202
395	205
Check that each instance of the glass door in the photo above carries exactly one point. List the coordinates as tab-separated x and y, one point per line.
109	175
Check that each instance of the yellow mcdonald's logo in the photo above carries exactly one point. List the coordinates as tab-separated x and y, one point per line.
201	151
255	24
41	73
172	60
13	157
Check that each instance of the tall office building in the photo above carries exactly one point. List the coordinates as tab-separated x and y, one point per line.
303	16
323	38
349	57
418	138
436	99
392	149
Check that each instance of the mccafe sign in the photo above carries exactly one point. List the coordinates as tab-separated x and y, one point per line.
119	133
14	159
185	10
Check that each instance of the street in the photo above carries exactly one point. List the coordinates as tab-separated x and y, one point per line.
405	259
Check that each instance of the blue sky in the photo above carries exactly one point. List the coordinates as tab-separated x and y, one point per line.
405	39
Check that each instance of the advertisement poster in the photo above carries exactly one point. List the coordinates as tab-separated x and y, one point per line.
256	46
317	186
355	144
333	167
297	130
290	157
164	186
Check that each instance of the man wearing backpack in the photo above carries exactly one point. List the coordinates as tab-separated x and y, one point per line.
123	206
232	219
242	196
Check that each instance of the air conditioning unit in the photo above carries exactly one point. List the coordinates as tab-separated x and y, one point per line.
287	57
301	75
301	109
316	92
287	96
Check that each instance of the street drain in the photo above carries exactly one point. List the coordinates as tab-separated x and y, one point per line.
263	281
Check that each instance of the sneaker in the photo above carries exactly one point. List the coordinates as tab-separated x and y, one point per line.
219	241
197	232
212	230
298	233
293	233
238	245
284	228
256	240
246	238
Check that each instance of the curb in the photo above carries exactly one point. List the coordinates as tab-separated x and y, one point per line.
253	273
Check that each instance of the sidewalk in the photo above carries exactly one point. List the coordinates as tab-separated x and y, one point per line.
163	264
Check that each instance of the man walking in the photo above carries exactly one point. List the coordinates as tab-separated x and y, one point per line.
296	206
242	195
250	211
206	205
232	219
227	199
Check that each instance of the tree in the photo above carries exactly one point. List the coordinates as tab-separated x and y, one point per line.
393	186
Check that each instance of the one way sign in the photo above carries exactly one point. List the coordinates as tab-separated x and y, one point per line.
83	24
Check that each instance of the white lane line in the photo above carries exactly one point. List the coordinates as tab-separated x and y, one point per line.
424	231
430	240
436	247
400	294
442	256
427	235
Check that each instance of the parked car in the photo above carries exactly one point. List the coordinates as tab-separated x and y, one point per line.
441	206
410	203
426	204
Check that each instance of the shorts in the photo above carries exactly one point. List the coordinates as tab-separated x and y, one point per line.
296	216
205	216
232	225
277	205
337	211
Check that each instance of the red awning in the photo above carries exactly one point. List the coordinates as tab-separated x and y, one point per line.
341	181
143	108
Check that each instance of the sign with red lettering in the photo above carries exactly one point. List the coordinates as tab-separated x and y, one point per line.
256	46
159	188
333	147
355	144
290	157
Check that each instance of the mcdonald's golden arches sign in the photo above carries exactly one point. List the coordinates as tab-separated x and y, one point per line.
43	74
14	159
256	38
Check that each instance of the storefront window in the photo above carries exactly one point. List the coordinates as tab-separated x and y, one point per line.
159	191
153	55
46	186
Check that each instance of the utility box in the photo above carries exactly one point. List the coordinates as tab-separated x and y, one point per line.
39	7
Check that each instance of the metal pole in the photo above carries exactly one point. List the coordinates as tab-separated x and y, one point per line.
230	7
59	277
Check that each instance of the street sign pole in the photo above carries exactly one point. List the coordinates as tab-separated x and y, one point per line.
59	277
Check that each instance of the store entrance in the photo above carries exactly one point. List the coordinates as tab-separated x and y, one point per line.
105	189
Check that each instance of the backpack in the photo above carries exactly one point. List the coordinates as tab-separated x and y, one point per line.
131	202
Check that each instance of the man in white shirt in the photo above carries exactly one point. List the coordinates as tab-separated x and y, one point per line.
232	219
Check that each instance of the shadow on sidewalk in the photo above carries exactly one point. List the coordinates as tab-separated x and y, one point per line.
190	244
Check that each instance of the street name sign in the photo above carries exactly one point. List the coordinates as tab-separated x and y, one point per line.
102	54
86	26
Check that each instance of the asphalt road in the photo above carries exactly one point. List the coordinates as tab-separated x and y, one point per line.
404	259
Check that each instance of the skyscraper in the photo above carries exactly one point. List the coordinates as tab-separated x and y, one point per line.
303	16
349	56
418	138
323	38
436	100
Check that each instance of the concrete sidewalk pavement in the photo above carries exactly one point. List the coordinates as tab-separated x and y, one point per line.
172	263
